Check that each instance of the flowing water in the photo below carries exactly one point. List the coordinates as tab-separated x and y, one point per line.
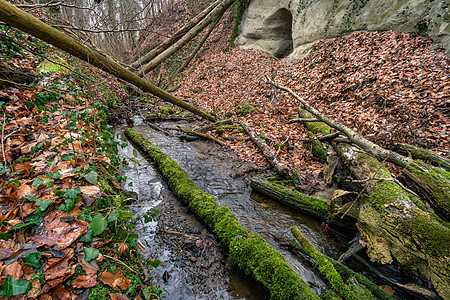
212	173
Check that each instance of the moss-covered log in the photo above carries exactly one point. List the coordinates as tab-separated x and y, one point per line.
425	155
247	250
431	184
325	267
313	206
395	227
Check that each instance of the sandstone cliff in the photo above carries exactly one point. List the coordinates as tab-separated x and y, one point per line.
291	27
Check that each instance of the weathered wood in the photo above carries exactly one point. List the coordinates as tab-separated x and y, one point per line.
203	135
17	18
425	155
213	125
247	250
395	227
302	120
314	206
174	38
267	152
217	12
10	76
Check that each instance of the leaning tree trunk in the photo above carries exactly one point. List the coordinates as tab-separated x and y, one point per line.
395	227
217	12
174	38
15	17
425	155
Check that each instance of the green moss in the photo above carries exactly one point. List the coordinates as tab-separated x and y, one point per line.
359	290
434	236
374	166
330	295
438	185
315	127
346	272
220	130
240	6
249	251
383	192
54	66
246	109
325	267
317	149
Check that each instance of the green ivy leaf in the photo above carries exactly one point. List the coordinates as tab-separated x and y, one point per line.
31	197
33	221
68	206
13	287
72	193
98	224
87	237
33	260
113	216
43	204
90	254
37	182
91	177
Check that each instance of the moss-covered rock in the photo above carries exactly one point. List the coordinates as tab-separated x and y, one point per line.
53	66
247	250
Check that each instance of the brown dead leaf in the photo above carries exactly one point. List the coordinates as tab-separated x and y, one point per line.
117	281
61	293
5	253
122	248
115	296
35	288
85	281
77	229
14	269
24	168
90	267
91	190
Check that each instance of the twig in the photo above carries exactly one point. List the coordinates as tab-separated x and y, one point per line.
181	234
121	262
205	136
3	137
302	120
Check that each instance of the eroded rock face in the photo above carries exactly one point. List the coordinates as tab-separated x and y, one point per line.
291	27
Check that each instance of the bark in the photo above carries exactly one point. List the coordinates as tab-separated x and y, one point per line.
425	155
199	46
174	38
213	125
203	135
394	225
314	206
354	137
14	77
247	250
324	266
15	17
267	152
216	13
431	184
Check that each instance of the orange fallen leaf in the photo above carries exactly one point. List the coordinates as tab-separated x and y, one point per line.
91	190
85	281
23	168
14	269
116	281
115	296
122	248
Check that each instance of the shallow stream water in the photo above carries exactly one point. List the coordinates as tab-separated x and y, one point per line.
190	272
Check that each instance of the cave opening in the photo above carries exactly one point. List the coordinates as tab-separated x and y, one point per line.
279	26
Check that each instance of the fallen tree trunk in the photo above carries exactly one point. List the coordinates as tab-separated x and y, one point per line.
395	227
13	76
174	38
247	250
314	206
268	154
324	266
437	185
216	13
15	17
425	155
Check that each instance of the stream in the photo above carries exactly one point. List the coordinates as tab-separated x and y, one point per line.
194	263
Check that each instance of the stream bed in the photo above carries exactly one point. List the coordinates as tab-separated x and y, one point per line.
194	263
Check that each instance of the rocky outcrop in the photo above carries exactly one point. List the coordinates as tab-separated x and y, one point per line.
291	27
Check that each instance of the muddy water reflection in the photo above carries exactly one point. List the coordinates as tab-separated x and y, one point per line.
213	175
